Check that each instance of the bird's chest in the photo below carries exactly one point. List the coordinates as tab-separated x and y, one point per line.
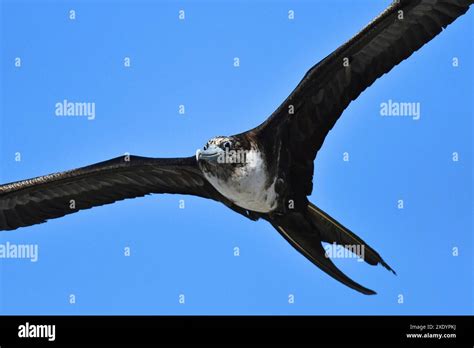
247	187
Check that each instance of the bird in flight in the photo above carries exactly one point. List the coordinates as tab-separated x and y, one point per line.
263	173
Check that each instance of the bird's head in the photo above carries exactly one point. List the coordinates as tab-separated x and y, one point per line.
225	152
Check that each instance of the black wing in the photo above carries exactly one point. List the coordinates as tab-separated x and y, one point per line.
308	114
34	201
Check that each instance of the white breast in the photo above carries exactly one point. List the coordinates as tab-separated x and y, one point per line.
248	186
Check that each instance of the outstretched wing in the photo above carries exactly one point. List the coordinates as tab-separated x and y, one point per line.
308	114
34	201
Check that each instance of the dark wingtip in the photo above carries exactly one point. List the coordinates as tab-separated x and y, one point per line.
363	289
383	263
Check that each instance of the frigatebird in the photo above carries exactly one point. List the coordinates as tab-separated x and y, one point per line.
266	172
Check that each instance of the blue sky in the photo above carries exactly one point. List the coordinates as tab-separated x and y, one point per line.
190	251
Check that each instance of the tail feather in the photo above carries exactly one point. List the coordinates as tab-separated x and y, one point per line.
332	231
298	230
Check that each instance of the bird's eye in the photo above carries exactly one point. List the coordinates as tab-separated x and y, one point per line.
205	147
227	145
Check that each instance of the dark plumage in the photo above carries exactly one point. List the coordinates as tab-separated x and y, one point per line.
276	184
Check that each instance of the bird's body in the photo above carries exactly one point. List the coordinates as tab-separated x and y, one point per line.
242	174
266	172
250	187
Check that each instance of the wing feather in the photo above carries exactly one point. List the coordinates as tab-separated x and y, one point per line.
328	87
34	201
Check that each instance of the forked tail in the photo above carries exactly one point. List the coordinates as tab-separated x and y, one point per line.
332	231
306	230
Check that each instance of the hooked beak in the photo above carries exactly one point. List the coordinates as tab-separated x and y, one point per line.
210	155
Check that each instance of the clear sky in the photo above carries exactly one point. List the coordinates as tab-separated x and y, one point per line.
190	251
